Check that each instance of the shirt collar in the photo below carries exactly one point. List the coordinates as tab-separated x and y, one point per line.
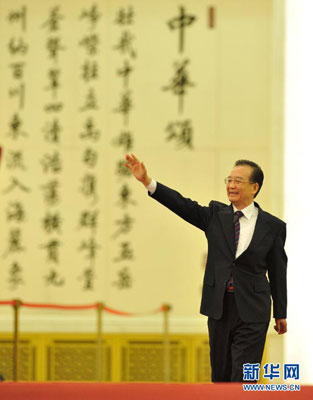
248	211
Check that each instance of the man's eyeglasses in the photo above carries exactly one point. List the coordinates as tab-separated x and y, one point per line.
236	181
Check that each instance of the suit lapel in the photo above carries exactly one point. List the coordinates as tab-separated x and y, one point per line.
260	230
226	217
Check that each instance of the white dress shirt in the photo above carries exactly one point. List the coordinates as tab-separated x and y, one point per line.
247	222
247	225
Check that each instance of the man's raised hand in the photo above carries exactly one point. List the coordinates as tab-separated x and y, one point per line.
137	168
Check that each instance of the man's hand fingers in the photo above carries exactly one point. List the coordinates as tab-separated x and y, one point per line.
132	160
277	327
128	158
134	157
281	327
137	168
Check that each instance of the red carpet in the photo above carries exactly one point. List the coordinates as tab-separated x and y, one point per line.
140	391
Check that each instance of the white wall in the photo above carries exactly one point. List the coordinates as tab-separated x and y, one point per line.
298	184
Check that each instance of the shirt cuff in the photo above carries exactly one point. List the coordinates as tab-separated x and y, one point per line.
152	186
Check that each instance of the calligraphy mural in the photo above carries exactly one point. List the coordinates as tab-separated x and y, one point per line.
81	85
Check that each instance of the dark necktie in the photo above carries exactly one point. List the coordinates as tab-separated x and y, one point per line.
237	216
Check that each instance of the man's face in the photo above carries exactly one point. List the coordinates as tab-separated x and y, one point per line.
239	191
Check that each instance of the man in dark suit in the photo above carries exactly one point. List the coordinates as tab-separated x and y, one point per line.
245	245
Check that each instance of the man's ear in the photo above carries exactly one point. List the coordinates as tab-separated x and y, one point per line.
256	187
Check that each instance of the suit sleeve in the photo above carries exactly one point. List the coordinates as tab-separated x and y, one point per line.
187	209
277	273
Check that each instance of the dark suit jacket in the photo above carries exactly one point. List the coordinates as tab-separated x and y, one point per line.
265	254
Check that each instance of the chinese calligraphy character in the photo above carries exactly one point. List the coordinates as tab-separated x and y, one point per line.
125	225
91	44
91	101
181	22
54	47
20	92
15	276
53	278
90	246
53	107
17	46
124	140
51	194
124	279
125	72
15	183
15	212
52	223
125	16
52	130
181	132
15	126
18	15
90	157
15	160
89	184
53	21
14	242
125	196
125	105
88	277
89	219
92	15
180	82
90	71
126	252
53	75
17	70
121	170
125	44
51	163
53	250
90	131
